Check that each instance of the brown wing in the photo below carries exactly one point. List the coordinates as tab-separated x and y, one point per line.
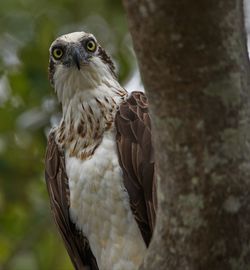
136	157
57	183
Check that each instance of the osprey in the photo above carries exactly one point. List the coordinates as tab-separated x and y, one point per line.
100	169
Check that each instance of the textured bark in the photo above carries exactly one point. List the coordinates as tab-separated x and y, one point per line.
193	60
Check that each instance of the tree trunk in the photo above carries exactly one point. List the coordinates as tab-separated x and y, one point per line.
193	60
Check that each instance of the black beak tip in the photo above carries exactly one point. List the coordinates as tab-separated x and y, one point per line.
77	62
78	65
77	58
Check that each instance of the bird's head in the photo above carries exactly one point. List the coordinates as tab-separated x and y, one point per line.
78	56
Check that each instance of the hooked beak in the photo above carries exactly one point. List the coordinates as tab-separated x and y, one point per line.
77	58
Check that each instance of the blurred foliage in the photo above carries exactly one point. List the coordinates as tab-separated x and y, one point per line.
28	238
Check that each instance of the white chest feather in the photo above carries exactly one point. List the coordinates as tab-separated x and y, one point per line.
100	208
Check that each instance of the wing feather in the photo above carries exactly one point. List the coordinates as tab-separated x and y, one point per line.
136	158
75	242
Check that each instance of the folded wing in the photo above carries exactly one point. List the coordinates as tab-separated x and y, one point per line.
136	158
75	242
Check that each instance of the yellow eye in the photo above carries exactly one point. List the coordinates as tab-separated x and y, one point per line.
57	53
91	46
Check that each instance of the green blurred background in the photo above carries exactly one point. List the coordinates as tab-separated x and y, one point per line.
28	237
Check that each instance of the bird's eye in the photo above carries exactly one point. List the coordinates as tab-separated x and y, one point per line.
57	53
91	45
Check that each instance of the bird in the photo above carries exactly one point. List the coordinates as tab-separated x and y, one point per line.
99	162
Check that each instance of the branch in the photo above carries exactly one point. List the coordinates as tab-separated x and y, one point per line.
194	64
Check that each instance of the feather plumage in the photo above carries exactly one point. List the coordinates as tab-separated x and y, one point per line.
75	242
136	158
102	133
